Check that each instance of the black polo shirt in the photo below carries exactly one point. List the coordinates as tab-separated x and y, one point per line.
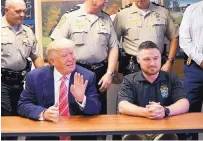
166	89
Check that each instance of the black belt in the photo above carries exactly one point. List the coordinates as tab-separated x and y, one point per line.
131	57
13	76
92	66
188	61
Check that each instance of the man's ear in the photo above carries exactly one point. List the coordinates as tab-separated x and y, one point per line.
51	61
138	59
6	9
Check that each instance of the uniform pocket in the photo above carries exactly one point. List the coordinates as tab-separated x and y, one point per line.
158	27
133	32
79	36
104	35
6	46
26	48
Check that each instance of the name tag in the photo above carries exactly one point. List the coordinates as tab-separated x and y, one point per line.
133	19
80	24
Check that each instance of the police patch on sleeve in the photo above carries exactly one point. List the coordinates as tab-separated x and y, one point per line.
62	21
164	91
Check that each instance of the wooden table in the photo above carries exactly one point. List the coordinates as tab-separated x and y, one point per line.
101	125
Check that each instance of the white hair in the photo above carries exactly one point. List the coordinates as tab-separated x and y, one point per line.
58	44
11	2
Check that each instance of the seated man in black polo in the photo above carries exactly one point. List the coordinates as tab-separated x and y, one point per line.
151	93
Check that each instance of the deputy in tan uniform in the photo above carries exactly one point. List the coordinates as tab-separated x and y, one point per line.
17	44
95	39
142	21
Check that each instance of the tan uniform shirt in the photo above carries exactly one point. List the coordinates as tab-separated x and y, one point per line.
16	47
136	27
93	34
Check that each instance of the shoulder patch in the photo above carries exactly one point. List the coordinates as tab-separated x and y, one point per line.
127	6
61	22
73	9
157	4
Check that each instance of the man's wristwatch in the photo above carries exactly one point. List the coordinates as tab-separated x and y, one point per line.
171	60
111	73
167	112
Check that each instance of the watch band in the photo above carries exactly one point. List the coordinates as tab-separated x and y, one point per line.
167	112
171	60
110	73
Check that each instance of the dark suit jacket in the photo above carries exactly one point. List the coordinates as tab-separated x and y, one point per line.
38	94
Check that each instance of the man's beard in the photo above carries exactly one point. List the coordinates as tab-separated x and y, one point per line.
148	72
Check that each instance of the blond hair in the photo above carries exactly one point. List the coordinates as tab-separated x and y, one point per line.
57	45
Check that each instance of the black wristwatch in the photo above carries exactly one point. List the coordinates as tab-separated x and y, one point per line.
171	60
167	112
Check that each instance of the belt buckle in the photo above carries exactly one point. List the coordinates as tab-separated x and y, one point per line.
23	75
189	60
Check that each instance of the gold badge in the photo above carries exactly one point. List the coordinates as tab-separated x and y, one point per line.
164	91
80	26
157	15
189	60
103	23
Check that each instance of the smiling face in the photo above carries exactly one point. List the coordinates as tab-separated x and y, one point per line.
63	60
15	12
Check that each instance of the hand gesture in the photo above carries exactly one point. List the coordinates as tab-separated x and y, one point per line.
105	82
155	110
201	65
78	87
52	113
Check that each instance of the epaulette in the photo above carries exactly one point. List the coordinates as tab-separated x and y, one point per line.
73	9
105	12
157	4
127	6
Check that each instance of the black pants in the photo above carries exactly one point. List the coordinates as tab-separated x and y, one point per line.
99	74
102	95
57	138
10	94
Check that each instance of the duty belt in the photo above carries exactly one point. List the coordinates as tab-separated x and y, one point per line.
93	66
130	57
13	76
187	60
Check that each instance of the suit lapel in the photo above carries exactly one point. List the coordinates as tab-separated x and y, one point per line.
48	88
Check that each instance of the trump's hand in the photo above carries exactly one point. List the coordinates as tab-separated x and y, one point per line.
78	87
52	113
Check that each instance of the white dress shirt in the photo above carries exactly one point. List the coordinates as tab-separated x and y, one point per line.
57	82
191	32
